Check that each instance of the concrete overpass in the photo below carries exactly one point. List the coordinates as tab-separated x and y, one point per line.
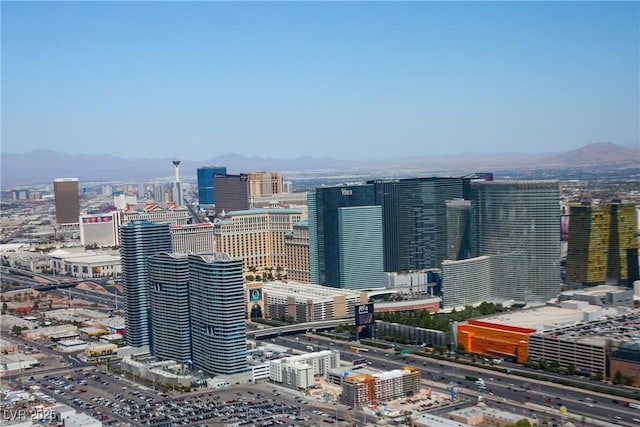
270	331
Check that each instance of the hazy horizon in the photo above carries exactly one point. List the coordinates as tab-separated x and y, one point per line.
353	80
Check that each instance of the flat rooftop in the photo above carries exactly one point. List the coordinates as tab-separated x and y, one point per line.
622	328
544	318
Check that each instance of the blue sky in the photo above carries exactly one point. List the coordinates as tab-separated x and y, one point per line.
350	80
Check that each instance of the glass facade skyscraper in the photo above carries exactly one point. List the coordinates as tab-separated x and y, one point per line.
206	191
415	220
232	193
67	198
139	240
218	328
360	247
601	237
170	317
324	235
517	224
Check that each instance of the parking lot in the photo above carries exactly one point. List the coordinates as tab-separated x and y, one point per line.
114	400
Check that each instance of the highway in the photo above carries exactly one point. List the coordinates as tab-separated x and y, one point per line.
504	390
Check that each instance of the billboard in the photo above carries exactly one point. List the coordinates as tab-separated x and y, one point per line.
255	295
364	314
97	219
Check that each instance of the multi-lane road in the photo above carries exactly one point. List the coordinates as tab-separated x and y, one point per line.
512	392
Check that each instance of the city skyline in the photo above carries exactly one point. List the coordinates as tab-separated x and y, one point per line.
364	80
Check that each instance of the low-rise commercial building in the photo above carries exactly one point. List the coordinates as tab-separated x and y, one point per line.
7	347
508	335
17	362
483	415
87	265
587	346
69	346
310	303
300	371
624	362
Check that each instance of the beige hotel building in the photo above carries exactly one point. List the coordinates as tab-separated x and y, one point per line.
257	235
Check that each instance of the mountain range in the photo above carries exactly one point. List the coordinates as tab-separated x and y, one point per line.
43	166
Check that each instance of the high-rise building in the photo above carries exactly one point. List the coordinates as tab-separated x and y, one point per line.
177	195
170	314
329	228
232	193
192	238
458	229
67	195
139	240
517	224
98	229
216	292
257	235
360	247
206	189
265	183
467	282
415	220
601	238
296	248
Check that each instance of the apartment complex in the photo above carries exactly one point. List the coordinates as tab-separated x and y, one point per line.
216	294
139	240
364	389
170	311
299	371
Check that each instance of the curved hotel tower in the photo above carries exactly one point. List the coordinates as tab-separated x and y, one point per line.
139	240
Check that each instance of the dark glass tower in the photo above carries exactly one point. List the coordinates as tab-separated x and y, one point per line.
232	193
206	192
67	196
415	220
325	222
139	240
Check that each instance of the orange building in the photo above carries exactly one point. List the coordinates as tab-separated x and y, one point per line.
494	339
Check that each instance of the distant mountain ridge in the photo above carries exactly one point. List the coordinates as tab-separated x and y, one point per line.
43	166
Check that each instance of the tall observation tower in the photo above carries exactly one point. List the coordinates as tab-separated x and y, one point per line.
177	188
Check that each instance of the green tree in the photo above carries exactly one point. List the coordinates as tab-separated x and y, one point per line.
5	307
617	378
571	369
17	329
598	376
543	364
